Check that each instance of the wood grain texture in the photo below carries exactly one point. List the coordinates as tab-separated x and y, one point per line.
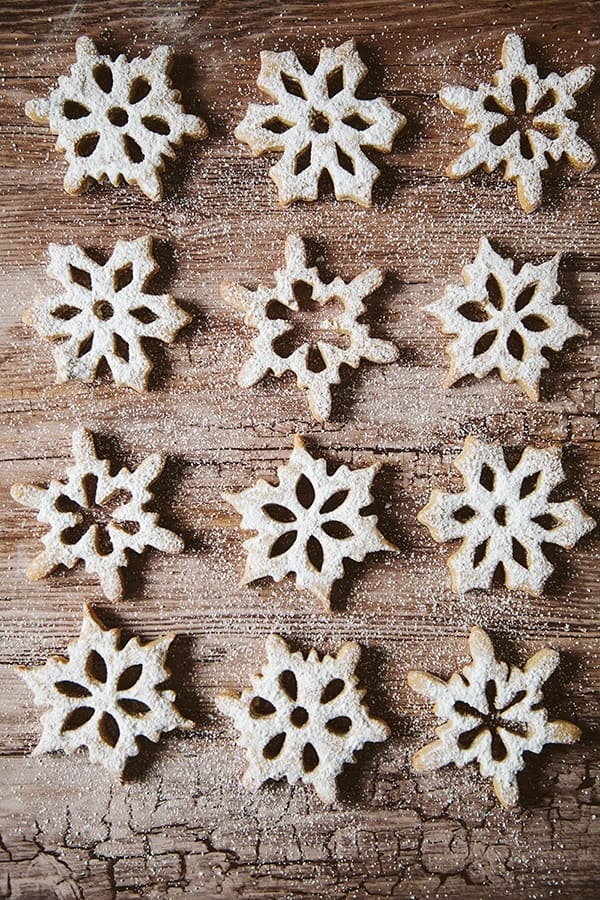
183	825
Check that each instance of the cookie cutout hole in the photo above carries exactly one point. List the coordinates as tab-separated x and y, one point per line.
288	684
108	729
259	708
95	667
103	310
335	82
129	677
277	126
283	543
546	521
74	110
292	86
77	718
134	708
494	292
89	483
492	105
463	514
529	484
484	343
65	312
310	758
122	277
465	740
474	312
86	145
500	515
156	125
499	751
140	88
117	116
133	149
80	277
337	530
314	360
299	717
273	748
515	345
65	504
356	122
479	553
535	323
103	77
319	123
302	161
341	725
314	552
278	513
344	160
72	689
332	690
305	492
487	479
519	553
144	315
526	296
334	502
121	347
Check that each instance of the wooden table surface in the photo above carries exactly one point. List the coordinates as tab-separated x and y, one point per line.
182	824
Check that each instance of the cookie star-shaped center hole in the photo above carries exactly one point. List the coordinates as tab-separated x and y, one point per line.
495	719
521	121
95	514
312	323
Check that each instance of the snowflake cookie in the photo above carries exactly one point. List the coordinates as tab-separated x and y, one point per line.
504	517
105	696
116	119
320	125
315	365
492	715
504	320
308	523
521	120
97	517
303	718
104	313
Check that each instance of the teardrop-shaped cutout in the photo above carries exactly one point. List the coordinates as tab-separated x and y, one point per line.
140	88
288	684
332	690
74	110
314	552
95	667
305	492
108	729
494	291
283	543
484	343
103	77
133	149
515	345
156	125
474	312
129	677
340	725
310	758
259	708
273	748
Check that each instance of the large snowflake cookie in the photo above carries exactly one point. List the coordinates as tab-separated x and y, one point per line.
492	715
97	517
503	517
105	696
308	523
320	125
504	319
116	119
104	313
316	365
303	718
521	120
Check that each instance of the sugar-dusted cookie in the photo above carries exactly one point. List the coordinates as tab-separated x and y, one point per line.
105	696
504	320
495	112
503	517
104	313
97	517
319	124
115	119
308	523
303	718
317	376
492	715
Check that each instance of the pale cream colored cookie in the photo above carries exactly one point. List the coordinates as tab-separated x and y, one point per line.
504	319
319	124
496	137
115	119
308	523
97	517
104	313
303	718
503	517
318	380
105	695
492	715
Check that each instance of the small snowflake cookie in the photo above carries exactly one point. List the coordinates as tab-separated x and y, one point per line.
319	124
521	120
308	523
97	517
115	119
316	365
504	320
503	517
104	313
492	715
303	718
105	696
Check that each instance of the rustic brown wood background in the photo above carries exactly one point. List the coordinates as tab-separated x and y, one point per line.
182	824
